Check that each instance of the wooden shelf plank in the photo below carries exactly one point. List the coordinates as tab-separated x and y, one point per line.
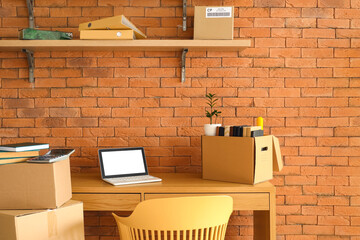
124	45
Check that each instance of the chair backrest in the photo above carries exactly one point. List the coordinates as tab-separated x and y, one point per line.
198	218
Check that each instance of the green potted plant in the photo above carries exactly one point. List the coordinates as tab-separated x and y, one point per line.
210	129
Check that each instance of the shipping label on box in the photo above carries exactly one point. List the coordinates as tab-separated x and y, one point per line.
35	185
64	223
213	22
245	160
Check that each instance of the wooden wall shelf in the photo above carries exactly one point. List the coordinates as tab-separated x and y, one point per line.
29	46
124	45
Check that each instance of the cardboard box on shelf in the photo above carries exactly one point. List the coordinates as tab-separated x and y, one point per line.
66	222
247	160
213	22
35	185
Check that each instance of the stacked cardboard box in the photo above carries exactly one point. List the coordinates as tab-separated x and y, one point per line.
117	27
35	202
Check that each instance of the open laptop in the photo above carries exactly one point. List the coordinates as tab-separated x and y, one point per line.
124	166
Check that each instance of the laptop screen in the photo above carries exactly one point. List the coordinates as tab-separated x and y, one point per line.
122	162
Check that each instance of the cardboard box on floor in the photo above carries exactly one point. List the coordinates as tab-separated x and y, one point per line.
64	223
35	185
213	22
245	160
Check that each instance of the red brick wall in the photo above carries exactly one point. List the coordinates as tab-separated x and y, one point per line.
301	76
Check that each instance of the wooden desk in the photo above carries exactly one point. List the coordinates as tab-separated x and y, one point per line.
98	195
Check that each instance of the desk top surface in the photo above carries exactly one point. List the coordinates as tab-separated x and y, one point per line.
171	183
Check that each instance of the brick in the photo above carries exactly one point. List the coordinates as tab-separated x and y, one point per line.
346	92
337	62
159	92
99	72
318	12
333	82
347	33
254	32
285	52
301	121
126	112
97	92
347	131
334	3
128	92
81	62
333	23
269	3
144	122
299	3
64	112
112	82
320	230
301	42
65	72
161	131
293	219
130	132
81	82
143	102
253	72
269	42
319	33
18	103
285	12
32	112
113	122
347	13
82	122
16	123
317	52
65	92
300	22
144	82
50	122
112	102
286	32
317	132
333	122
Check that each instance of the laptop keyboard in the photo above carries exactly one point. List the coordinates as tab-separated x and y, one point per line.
133	179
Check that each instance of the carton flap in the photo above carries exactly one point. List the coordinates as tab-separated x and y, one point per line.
263	159
277	159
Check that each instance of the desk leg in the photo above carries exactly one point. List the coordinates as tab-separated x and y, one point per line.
265	222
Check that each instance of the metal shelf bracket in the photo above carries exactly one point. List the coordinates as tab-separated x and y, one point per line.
184	15
30	58
30	6
183	66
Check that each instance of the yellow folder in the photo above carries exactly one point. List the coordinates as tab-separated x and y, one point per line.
107	34
112	23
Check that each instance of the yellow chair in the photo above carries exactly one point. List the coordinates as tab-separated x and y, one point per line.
193	218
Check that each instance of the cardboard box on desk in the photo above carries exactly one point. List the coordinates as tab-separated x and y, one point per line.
64	223
213	22
35	185
245	160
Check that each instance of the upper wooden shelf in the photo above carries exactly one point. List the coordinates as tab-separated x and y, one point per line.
124	45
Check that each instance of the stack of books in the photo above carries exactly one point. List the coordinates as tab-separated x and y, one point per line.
240	131
117	27
20	152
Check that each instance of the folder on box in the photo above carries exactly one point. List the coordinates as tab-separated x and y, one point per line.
107	34
112	23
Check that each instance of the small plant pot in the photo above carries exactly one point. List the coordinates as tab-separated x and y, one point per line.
210	129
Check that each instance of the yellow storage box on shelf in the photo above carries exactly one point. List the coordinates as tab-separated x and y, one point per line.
247	160
117	27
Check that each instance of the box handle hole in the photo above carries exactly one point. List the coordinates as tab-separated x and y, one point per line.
264	149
